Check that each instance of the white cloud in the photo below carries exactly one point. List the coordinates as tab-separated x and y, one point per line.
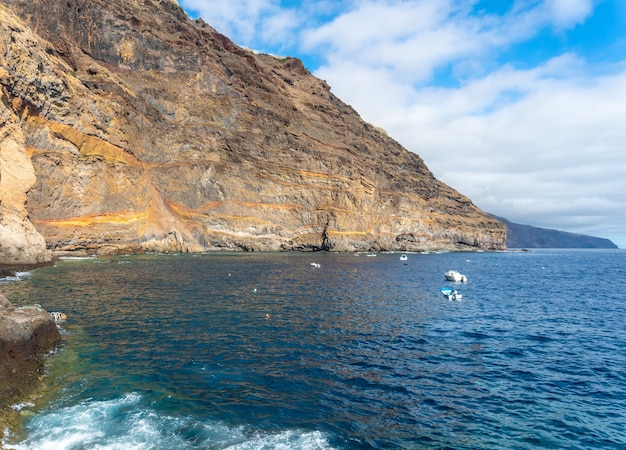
553	156
243	20
414	39
568	13
409	39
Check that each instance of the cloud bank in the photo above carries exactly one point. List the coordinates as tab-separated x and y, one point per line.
516	104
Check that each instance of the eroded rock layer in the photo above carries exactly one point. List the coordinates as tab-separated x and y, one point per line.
149	131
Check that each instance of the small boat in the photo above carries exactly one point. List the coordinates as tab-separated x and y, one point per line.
316	265
451	294
453	275
404	258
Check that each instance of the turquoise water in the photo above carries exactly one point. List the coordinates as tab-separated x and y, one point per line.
264	351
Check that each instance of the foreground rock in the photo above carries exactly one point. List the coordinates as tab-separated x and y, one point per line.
26	335
149	131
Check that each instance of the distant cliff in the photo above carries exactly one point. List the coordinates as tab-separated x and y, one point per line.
526	236
127	127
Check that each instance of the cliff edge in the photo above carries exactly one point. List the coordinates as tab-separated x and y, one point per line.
127	127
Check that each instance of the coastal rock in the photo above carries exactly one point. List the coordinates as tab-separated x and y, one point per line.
20	243
26	334
148	131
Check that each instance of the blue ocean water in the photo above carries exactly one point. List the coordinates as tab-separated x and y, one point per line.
266	351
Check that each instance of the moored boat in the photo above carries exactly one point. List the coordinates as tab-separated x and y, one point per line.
454	275
451	294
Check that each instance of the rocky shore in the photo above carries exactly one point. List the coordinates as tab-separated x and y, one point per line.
27	334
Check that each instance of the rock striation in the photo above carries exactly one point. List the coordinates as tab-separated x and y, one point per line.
125	126
26	334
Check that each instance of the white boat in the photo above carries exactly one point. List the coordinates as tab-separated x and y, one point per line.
451	294
453	275
404	258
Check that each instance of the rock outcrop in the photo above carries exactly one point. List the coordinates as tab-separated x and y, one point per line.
20	243
150	131
26	334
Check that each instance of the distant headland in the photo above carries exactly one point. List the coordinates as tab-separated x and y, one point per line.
527	236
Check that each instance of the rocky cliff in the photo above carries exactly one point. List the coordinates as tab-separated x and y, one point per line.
126	126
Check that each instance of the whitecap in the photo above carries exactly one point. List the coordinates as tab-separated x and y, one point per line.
126	423
286	440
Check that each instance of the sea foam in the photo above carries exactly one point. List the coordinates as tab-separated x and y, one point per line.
125	423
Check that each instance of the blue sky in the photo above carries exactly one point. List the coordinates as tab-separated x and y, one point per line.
520	104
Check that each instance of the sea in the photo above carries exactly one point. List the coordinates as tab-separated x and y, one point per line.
330	351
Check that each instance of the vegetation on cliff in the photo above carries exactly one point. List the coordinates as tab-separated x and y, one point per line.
140	129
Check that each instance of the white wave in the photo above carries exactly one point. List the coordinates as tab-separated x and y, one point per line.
286	440
17	277
21	406
124	423
77	258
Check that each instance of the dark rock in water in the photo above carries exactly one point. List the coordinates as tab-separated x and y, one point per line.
27	334
131	128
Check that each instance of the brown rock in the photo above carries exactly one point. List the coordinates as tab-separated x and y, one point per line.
20	243
148	131
26	335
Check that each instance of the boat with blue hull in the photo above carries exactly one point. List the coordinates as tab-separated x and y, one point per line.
451	294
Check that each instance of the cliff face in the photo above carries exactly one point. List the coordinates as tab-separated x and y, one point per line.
148	131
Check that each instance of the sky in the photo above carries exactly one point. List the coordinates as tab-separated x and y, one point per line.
518	104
